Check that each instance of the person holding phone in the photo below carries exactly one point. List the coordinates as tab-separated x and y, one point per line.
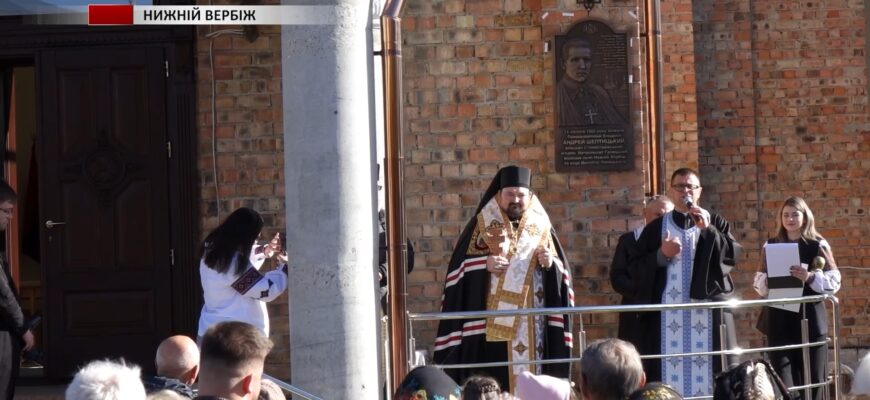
821	276
233	284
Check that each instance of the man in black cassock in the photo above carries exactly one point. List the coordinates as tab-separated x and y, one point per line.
15	336
508	257
683	257
630	323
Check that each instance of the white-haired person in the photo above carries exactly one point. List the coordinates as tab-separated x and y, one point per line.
106	380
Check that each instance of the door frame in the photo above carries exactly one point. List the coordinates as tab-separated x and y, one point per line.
22	44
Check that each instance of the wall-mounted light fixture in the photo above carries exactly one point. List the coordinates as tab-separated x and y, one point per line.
588	4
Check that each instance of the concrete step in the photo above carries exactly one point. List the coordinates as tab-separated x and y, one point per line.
48	392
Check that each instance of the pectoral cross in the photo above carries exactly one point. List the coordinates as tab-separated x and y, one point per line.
590	114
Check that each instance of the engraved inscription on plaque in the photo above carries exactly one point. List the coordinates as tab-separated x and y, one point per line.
591	99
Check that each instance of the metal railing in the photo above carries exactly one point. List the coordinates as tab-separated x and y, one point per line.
295	391
833	338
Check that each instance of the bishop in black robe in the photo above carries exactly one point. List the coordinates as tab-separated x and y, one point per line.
467	288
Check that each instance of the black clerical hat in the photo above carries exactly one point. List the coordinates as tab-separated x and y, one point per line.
514	176
510	176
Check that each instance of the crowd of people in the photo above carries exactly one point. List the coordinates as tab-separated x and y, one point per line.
228	364
610	369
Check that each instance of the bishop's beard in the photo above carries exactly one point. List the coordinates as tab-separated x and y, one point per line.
514	211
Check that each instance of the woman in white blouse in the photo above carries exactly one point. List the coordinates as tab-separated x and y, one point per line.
234	288
819	275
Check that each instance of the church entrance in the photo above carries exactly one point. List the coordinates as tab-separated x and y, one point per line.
99	156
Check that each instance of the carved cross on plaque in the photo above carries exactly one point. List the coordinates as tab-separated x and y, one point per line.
591	114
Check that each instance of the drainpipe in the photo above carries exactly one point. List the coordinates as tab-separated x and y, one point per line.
397	253
655	94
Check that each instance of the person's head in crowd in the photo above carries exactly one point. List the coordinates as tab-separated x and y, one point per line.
542	387
514	196
166	394
480	387
796	220
655	391
232	241
8	198
231	360
427	383
685	184
106	380
178	358
656	206
269	390
610	369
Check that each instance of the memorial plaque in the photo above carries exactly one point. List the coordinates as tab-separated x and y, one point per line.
591	100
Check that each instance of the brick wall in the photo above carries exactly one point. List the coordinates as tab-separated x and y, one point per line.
679	86
249	144
478	93
767	99
813	131
726	115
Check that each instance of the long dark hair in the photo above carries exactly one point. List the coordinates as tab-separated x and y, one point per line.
232	239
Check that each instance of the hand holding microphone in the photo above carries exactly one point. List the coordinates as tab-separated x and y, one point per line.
698	214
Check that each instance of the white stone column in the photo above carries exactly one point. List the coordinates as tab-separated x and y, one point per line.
330	177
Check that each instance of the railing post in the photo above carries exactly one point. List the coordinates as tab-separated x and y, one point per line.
723	340
835	338
805	354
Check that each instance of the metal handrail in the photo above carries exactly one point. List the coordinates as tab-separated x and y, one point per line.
435	316
729	304
295	391
735	352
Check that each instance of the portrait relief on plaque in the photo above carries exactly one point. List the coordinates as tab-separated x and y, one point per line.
591	99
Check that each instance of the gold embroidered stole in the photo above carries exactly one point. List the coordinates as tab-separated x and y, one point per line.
510	290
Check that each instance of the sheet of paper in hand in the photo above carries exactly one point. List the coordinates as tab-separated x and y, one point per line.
780	258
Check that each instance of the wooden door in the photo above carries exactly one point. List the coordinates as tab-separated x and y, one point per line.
104	205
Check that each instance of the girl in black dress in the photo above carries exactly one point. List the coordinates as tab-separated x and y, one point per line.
819	276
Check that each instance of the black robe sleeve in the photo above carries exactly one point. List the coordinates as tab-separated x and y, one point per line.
715	258
559	293
620	278
643	264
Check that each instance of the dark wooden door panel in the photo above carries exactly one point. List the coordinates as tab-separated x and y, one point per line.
92	313
103	142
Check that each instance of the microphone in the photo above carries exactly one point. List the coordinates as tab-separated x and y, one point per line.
688	202
819	263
